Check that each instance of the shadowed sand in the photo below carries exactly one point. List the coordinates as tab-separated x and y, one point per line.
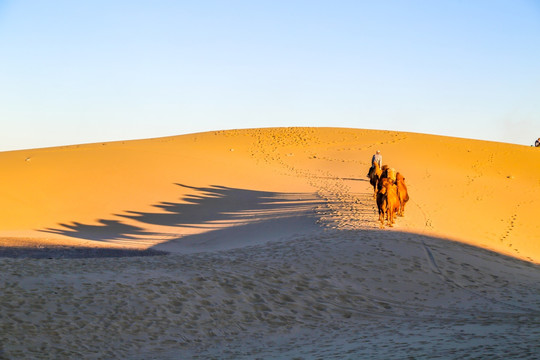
265	243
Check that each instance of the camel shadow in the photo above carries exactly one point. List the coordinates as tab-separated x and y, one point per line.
222	216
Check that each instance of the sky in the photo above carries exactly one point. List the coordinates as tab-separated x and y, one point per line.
75	72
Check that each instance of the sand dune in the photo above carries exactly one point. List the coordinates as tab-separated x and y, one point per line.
265	242
478	192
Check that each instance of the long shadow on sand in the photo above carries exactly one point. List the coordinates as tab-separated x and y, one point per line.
215	210
71	252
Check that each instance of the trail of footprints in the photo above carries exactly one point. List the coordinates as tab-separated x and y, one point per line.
509	229
342	210
507	234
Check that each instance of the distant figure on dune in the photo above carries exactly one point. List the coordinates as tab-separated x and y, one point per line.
537	143
377	158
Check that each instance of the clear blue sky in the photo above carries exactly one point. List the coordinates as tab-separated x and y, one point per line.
89	71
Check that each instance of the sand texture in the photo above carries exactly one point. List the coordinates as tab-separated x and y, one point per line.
265	243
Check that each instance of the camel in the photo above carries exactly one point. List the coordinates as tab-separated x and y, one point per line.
387	173
402	193
374	176
387	202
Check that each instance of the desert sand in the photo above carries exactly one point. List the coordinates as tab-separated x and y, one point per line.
264	243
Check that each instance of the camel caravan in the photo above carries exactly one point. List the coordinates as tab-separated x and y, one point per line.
390	192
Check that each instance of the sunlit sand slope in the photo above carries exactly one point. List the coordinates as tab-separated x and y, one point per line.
150	192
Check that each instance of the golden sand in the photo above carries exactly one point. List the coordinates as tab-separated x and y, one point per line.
481	193
273	249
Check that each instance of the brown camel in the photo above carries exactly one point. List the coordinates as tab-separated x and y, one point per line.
374	176
402	193
387	202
